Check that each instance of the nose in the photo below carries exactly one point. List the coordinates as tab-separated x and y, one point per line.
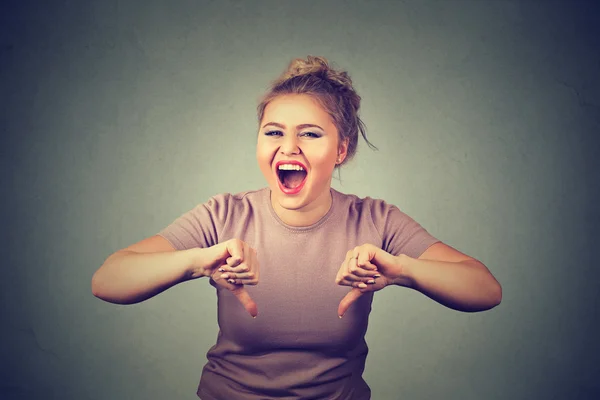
289	145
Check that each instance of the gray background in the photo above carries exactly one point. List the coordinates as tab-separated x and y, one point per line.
117	117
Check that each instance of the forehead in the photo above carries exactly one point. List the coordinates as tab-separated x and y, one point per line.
296	108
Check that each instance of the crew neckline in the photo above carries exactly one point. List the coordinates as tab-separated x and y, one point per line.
308	228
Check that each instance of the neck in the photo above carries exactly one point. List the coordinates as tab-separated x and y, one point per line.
307	215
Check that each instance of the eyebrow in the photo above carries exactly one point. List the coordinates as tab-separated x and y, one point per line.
301	126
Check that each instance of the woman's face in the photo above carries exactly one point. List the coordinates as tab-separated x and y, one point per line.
296	129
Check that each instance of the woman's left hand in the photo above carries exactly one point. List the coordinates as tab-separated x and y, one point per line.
366	268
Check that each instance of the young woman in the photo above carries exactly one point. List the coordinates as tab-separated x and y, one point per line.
303	257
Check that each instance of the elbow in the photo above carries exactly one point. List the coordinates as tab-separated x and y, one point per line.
96	286
101	283
99	287
495	294
488	299
102	289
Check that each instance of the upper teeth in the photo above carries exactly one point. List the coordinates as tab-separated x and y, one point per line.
291	167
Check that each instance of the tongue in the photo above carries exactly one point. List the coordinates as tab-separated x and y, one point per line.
293	179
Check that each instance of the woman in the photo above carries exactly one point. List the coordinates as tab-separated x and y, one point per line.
298	230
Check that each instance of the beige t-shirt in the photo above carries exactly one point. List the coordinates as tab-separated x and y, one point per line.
297	347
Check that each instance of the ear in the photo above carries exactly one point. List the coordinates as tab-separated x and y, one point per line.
342	151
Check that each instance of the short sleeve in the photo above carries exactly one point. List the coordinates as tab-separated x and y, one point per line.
400	233
199	227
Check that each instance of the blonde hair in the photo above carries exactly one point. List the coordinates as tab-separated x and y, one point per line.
331	88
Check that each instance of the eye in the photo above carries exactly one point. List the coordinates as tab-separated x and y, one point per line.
273	133
311	134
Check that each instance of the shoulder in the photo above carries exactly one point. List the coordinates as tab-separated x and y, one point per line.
385	216
225	205
377	208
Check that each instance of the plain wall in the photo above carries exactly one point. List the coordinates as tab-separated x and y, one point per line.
119	116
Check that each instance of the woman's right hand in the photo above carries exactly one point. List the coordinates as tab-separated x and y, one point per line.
231	264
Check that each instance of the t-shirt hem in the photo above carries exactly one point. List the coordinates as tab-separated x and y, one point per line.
424	245
169	237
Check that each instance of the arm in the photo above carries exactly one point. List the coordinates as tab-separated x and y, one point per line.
151	266
442	273
451	278
143	270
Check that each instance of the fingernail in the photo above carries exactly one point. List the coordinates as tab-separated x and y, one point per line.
224	276
371	281
340	316
231	280
362	285
376	276
221	269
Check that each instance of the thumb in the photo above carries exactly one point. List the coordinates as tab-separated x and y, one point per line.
347	301
244	298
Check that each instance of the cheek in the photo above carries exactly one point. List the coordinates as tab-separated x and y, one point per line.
324	156
264	157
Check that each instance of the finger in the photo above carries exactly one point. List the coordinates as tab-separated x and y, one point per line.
233	261
365	263
360	272
246	273
236	250
247	276
244	298
349	280
243	267
346	282
357	284
347	301
252	282
367	271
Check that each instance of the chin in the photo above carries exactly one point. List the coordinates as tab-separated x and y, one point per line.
291	203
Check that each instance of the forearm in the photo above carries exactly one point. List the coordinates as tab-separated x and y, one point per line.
464	286
127	277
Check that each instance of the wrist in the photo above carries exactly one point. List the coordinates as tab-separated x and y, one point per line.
194	262
405	268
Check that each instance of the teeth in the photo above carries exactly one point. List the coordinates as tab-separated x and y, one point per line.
291	167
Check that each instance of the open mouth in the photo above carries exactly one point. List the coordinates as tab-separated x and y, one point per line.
291	179
291	176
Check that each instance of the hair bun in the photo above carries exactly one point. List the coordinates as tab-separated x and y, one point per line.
317	66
